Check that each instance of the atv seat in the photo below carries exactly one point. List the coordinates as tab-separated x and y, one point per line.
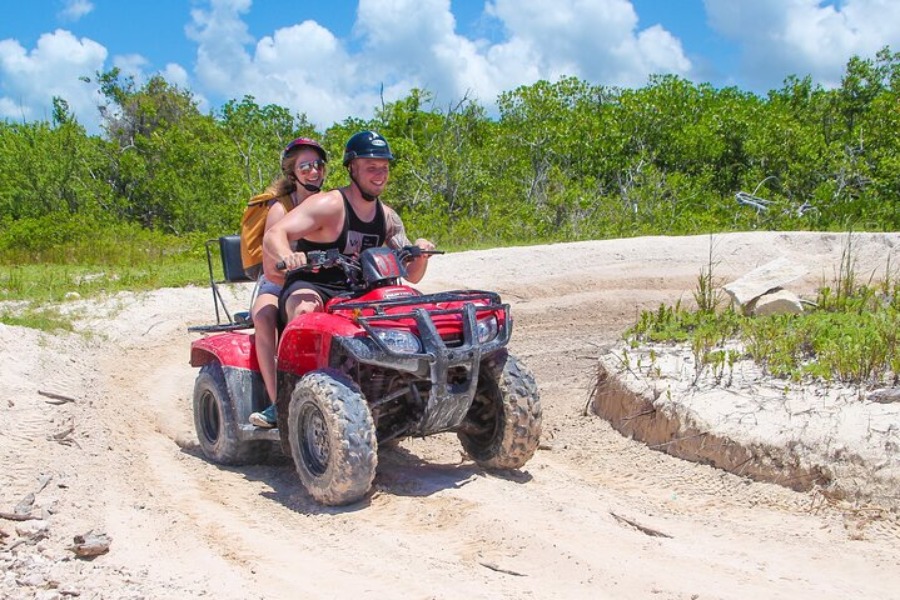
229	251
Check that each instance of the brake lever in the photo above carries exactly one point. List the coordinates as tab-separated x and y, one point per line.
408	253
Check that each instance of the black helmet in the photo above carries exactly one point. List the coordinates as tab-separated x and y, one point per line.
366	144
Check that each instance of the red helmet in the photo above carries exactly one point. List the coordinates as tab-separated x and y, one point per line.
305	142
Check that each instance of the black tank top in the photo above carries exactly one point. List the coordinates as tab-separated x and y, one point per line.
356	235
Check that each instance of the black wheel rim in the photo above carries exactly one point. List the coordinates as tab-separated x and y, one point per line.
483	420
314	445
211	418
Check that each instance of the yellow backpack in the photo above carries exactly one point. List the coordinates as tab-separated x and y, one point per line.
253	226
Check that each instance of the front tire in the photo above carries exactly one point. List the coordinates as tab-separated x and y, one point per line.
332	438
216	423
503	427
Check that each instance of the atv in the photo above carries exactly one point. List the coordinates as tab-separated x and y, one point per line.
381	363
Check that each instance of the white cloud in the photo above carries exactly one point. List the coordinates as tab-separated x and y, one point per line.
52	68
402	44
131	65
73	10
414	43
176	75
302	67
596	40
804	37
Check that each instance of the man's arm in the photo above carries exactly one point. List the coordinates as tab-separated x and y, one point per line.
397	239
314	215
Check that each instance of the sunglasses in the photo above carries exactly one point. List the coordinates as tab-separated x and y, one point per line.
305	168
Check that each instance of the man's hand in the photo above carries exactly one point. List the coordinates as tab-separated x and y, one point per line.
424	244
415	270
292	261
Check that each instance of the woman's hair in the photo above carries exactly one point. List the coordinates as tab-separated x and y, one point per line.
286	183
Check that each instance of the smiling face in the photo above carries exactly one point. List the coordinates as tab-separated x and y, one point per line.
309	168
371	174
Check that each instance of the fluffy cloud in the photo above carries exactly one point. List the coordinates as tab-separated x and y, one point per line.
597	40
804	37
31	78
75	9
397	45
302	67
414	43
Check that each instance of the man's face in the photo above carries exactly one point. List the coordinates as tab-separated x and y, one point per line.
371	174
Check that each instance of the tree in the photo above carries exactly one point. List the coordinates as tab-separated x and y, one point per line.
258	135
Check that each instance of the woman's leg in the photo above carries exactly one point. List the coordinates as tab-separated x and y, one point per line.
265	318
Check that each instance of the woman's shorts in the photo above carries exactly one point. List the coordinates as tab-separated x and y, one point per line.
267	287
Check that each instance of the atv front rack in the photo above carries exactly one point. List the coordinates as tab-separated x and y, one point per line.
379	306
449	397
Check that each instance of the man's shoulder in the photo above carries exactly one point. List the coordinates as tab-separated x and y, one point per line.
326	205
329	198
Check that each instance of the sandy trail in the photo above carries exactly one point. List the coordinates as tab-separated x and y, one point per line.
593	515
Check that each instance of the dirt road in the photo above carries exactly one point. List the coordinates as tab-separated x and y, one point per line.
593	515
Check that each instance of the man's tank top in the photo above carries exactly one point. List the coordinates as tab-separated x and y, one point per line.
356	235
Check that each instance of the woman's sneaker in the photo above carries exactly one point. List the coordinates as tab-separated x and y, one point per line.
266	419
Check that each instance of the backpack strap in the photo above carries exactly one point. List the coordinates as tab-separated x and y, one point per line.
266	197
261	199
287	202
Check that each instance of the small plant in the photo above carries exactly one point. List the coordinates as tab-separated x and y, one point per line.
708	295
850	336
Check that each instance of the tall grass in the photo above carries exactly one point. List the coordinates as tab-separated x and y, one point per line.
93	263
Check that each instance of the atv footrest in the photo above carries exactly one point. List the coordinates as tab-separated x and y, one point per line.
249	432
219	327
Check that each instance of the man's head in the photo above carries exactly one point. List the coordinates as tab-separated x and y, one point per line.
304	161
367	157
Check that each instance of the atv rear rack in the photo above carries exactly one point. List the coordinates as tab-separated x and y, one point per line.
229	247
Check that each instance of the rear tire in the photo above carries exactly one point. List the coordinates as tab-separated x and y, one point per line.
215	422
332	438
503	427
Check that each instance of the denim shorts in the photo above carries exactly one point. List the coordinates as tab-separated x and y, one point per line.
267	287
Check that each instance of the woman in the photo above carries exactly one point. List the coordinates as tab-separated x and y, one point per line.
303	166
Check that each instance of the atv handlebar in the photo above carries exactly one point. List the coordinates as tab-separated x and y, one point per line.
323	259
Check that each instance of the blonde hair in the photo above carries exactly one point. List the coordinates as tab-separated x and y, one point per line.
286	183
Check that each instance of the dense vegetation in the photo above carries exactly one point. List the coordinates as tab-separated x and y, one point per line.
559	162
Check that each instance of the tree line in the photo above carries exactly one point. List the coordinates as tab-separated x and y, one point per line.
559	161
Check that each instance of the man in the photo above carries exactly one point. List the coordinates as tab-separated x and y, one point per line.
350	219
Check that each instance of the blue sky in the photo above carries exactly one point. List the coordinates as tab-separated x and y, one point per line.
338	58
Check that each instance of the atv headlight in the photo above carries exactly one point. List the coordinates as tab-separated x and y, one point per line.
399	340
486	329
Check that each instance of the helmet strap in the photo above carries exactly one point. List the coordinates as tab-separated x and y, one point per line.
366	196
311	188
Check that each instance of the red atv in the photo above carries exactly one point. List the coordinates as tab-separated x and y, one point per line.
380	363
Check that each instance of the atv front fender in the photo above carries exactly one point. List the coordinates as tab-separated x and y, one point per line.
305	343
